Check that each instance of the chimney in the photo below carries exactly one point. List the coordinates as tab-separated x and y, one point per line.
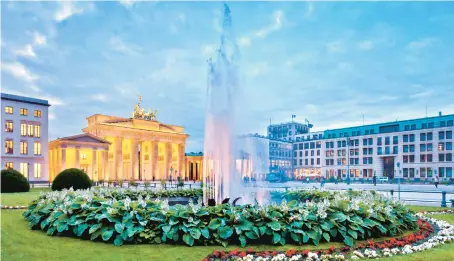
439	113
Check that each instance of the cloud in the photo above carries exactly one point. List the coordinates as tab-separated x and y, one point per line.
39	39
119	45
366	45
99	97
208	50
276	25
420	44
128	3
420	95
27	51
68	9
244	41
19	71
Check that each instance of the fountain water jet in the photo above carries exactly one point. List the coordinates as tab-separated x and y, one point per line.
221	180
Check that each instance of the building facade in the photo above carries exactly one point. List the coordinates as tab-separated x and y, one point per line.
25	136
422	147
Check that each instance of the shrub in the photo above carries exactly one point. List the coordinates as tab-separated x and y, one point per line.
14	181
75	178
345	218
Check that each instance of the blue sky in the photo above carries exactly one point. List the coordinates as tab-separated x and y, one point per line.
327	62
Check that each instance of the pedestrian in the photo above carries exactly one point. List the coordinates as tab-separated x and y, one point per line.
153	178
374	180
322	182
436	181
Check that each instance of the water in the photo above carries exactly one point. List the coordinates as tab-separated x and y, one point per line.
229	158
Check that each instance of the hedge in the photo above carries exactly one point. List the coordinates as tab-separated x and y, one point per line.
71	178
92	215
14	181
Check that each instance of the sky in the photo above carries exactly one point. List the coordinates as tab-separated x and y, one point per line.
330	63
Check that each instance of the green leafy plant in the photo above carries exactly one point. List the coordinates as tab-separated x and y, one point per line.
14	181
147	184
71	178
133	183
120	183
135	217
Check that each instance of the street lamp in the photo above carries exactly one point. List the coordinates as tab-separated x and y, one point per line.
348	161
28	172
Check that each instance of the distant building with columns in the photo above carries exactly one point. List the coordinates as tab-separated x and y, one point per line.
114	148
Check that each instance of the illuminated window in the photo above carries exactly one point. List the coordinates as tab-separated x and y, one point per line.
8	165
23	147
23	129
9	109
9	126
37	170
24	168
83	156
23	112
30	130
37	148
37	131
9	146
37	113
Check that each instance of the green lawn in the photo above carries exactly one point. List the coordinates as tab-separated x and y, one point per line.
20	243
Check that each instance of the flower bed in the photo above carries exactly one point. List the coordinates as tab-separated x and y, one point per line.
303	195
430	233
103	215
13	207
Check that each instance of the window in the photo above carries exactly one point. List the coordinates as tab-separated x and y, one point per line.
422	137
24	169
442	123
413	126
379	141
312	162
37	131
23	112
371	151
37	170
441	135
318	161
8	165
412	172
412	148
441	157
412	158
370	141
407	127
422	172
395	140
306	153
23	147
364	151
405	148
37	113
412	137
364	142
37	148
318	152
422	147
429	157
429	146
365	160
441	146
405	170
30	130
387	150
448	145
429	136
424	126
8	109
405	138
312	153
23	129
441	172
9	147
449	135
449	157
370	160
379	151
386	140
450	123
405	159
9	126
430	125
395	150
422	158
449	172
306	162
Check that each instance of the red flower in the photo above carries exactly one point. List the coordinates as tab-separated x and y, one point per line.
290	252
250	250
306	252
242	254
234	252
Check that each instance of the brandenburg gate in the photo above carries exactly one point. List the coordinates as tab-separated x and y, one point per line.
139	148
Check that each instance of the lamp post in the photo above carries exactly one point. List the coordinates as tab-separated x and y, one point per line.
348	161
28	172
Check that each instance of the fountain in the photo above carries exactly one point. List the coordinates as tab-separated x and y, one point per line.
224	151
220	177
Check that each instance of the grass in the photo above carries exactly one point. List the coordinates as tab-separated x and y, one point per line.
20	243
